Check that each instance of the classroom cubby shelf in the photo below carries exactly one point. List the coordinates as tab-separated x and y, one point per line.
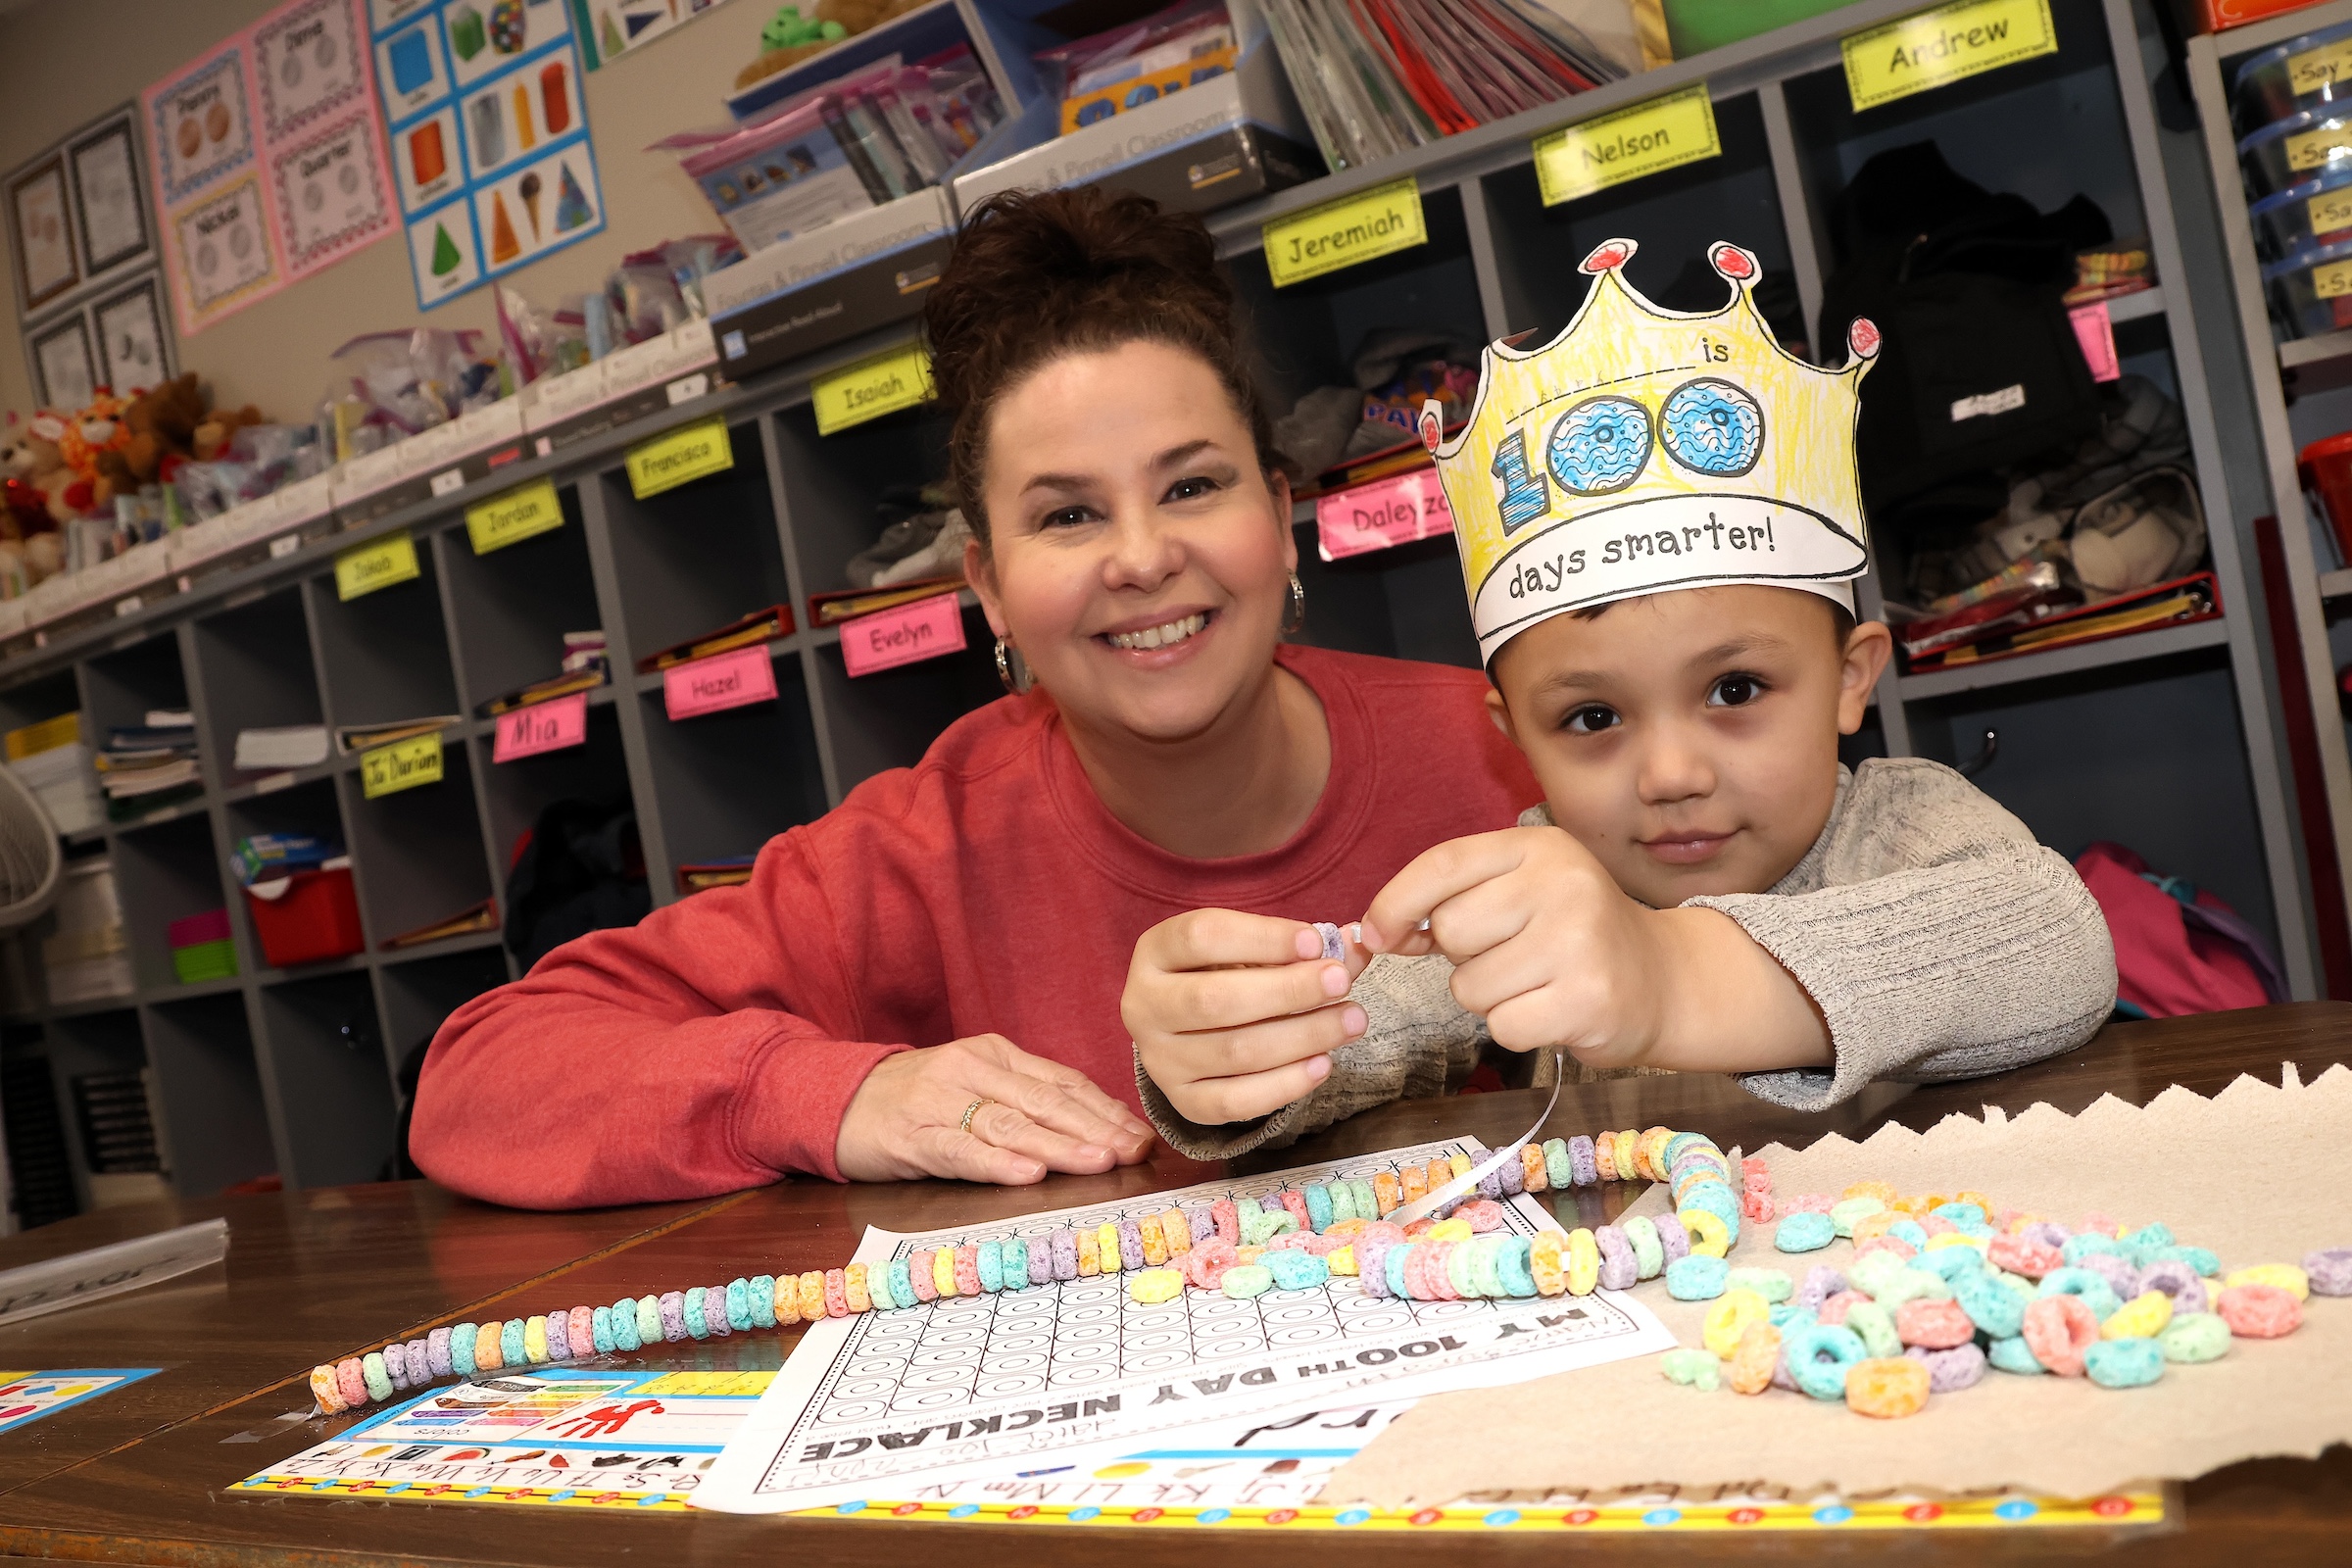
251	1070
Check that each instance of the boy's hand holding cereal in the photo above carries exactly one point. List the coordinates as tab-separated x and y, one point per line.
1236	1015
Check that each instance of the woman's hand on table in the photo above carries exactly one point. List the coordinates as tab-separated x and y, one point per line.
1236	1015
905	1120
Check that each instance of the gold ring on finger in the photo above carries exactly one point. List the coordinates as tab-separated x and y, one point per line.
969	1111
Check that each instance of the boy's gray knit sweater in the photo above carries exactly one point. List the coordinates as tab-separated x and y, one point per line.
1936	936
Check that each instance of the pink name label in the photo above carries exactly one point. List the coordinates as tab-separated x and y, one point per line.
1381	514
2094	329
905	634
547	726
721	681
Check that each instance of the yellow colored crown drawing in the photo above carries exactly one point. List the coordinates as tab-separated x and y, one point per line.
1645	449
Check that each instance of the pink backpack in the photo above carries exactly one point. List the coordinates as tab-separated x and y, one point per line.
2176	950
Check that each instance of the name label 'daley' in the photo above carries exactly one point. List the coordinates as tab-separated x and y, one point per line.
548	726
1948	44
1381	514
1379	222
720	682
1646	140
903	634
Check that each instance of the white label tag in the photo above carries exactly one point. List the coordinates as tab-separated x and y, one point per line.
686	387
449	481
127	606
279	549
2005	400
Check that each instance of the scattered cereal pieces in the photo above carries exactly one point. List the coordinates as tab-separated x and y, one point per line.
1844	1212
1949	1370
1875	1326
2194	1336
2058	1329
2013	1354
1819	1360
1755	1358
1709	1235
2259	1311
1246	1280
2178	1281
1154	1285
2142	1317
2095	1293
2286	1276
1937	1325
1804	1231
1696	1278
1482	1216
1888	1387
1991	1305
1294	1270
2330	1271
2123	1363
1772	1284
1697	1369
1732	1315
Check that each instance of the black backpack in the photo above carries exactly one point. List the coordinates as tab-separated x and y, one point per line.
1981	369
580	870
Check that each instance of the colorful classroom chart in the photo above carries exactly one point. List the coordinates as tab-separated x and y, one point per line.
488	131
26	1397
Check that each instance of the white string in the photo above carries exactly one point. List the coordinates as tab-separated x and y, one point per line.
1422	1208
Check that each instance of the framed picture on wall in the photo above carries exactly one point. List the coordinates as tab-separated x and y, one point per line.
43	232
135	351
105	169
63	365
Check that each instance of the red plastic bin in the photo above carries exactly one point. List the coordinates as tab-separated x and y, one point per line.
316	916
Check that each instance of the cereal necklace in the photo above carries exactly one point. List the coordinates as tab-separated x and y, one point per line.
1292	1240
1940	1288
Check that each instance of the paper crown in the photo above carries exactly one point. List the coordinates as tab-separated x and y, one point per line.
1645	449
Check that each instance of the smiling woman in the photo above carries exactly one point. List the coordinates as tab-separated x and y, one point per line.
926	981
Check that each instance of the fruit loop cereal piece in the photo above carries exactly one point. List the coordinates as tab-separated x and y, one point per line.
1772	1284
1584	1263
2194	1336
1627	1171
1545	1260
1871	1273
1512	1270
2058	1330
1604	1156
1584	1160
1913	1284
2286	1276
1809	1203
1482	1216
1225	1216
1461	1270
1821	1282
988	1265
673	1312
854	1290
1090	1257
1875	1326
1391	1267
2083	1243
1732	1314
1342	1261
1650	1152
1962	1214
2094	1291
1263	1226
2013	1354
1804	1231
1296	1271
1884	1191
1696	1278
2329	1271
1367	1201
1618	1270
1819	1360
1887	1388
1695	1369
1715	1198
692	1316
2142	1317
1110	1253
1649	1253
1755	1358
1414	1185
1994	1307
1559	1167
1438	1270
1846	1211
1673	1241
1456	1228
1295	1200
1709	1235
1152	1241
1895	1246
2117	1270
1834	1305
1513	1175
1949	1264
1949	1371
2025	1255
1908	1232
1155	1285
2259	1311
1934	1325
2124	1363
1535	1175
964	1265
1248	1279
1872	1226
1756	1205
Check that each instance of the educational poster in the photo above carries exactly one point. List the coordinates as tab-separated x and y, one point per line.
488	133
270	159
26	1397
625	1438
873	1403
610	27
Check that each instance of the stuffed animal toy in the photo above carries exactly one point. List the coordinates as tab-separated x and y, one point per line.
88	435
31	469
219	428
36	459
157	433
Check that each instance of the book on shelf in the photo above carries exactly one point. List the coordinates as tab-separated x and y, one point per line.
699	876
2180	601
587	677
352	738
482	917
760	626
848	604
286	746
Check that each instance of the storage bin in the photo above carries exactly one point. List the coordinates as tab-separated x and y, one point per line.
1695	25
307	917
2302	146
2265	89
2317	212
2311	291
204	961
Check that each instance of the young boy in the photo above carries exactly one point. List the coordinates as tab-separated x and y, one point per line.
1659	523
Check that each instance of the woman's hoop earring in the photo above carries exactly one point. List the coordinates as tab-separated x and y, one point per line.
1296	616
1004	654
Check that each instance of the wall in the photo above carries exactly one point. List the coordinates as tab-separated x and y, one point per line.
59	72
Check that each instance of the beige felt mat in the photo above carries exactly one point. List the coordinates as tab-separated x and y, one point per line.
2261	1173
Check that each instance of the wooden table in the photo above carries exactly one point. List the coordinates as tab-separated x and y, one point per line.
137	1477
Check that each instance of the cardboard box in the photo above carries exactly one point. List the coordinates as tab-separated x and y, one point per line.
841	282
439	462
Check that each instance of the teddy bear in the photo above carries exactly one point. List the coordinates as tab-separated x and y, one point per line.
32	469
219	428
157	433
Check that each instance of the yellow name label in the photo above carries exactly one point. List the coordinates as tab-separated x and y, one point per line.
363	568
1646	140
1948	44
2315	68
882	383
501	520
2332	281
679	457
2330	209
2315	149
1379	222
400	765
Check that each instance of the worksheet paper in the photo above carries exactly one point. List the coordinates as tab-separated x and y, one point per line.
1078	1370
